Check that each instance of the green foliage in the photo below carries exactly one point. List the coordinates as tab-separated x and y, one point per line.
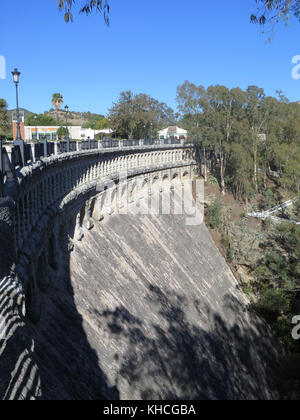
272	11
89	5
62	132
40	120
281	267
297	207
247	133
291	177
212	180
270	200
228	248
272	303
96	122
4	119
139	116
214	217
247	289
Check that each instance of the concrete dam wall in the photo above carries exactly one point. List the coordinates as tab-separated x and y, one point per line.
122	306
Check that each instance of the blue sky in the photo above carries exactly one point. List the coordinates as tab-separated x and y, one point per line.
151	46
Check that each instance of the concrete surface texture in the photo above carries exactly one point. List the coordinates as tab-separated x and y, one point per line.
147	309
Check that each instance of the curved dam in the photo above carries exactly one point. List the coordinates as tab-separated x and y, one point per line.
105	305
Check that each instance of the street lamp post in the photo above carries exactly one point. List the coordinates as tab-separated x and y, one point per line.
18	141
67	133
16	78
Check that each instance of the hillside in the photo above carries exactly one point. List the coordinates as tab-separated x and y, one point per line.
74	117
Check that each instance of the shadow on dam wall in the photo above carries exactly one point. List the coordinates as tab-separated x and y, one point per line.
68	366
122	319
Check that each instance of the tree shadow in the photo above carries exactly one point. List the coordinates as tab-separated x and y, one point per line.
177	359
53	359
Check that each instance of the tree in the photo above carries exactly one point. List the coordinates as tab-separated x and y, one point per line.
62	133
40	120
239	171
101	124
273	11
96	122
291	178
87	7
139	115
259	109
57	101
4	120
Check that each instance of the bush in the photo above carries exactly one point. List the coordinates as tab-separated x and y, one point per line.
228	248
272	303
269	200
212	180
297	207
214	215
247	289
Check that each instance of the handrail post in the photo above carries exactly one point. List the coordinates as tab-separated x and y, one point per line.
20	143
45	148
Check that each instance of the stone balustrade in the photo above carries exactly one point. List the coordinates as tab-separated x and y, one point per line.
81	186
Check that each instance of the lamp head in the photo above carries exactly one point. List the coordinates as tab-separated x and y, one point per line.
16	76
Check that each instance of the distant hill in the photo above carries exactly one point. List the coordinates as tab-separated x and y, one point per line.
74	117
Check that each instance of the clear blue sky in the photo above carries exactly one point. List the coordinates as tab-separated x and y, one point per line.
151	46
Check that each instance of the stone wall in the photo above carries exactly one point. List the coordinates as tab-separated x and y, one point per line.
32	226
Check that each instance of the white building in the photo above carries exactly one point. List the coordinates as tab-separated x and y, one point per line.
173	132
76	133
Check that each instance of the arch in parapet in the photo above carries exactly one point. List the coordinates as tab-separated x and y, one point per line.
144	183
92	206
144	188
155	180
113	195
175	180
185	175
165	179
82	215
123	189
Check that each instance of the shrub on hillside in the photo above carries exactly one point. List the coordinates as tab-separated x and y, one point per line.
214	215
272	303
269	200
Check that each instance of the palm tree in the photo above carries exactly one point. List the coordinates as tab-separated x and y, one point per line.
57	101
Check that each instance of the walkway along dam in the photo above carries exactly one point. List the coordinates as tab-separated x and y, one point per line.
96	304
